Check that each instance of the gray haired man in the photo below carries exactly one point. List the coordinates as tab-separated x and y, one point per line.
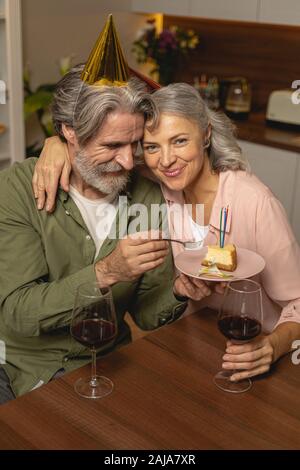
46	257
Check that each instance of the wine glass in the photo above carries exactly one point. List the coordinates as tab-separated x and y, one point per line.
240	320
94	325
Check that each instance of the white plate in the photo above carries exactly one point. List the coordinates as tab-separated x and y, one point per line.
249	263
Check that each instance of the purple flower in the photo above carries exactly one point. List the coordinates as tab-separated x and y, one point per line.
167	40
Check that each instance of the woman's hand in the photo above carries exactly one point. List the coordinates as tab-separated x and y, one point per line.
249	359
196	289
256	357
190	287
53	168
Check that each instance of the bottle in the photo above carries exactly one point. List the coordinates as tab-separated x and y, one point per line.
213	93
196	83
203	87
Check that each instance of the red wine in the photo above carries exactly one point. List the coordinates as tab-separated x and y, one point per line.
94	332
241	328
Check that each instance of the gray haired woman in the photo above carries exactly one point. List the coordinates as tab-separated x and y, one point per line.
192	151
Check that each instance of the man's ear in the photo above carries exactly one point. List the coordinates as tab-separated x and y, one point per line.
69	134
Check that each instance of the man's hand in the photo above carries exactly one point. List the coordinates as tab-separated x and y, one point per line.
249	359
53	168
131	258
196	289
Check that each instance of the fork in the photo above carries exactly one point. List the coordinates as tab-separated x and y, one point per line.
190	245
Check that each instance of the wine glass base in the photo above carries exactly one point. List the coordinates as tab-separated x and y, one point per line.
222	381
90	388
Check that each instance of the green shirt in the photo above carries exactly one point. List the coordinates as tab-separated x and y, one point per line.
43	259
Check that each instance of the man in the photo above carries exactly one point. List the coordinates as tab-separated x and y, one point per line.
44	258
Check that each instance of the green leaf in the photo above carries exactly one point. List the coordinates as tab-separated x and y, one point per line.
47	87
37	101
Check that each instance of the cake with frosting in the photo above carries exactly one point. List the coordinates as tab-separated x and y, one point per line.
224	258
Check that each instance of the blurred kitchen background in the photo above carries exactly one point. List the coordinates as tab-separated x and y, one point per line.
241	55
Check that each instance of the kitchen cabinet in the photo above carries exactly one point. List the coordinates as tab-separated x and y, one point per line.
12	142
170	7
243	10
264	11
280	170
279	11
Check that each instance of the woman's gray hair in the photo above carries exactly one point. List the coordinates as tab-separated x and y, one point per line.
84	108
183	100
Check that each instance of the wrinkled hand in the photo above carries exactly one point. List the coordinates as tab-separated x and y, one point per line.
249	359
53	168
132	257
196	289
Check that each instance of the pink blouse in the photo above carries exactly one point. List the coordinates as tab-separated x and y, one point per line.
257	221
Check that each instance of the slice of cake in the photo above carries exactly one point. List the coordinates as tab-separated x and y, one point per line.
224	258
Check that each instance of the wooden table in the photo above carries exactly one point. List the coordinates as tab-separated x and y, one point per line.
164	398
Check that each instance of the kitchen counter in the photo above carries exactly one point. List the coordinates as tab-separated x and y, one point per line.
255	130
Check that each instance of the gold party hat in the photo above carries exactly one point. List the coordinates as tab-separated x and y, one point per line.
106	64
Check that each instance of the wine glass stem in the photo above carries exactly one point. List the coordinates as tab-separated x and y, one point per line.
94	368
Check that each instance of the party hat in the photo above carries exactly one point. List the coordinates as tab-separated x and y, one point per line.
106	64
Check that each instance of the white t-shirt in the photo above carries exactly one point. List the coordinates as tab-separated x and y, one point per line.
199	232
98	215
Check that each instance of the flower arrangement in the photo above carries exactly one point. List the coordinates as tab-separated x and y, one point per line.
164	49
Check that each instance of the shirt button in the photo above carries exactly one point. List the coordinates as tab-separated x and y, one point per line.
88	237
67	213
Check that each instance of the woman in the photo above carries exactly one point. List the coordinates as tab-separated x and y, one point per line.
193	152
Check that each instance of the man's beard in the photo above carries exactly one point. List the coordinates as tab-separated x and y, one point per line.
98	176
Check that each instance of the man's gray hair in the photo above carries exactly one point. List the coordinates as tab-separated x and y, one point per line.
183	100
84	108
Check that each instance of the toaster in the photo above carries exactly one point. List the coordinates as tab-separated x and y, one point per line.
283	108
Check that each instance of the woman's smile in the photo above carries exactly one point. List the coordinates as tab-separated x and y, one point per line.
174	172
